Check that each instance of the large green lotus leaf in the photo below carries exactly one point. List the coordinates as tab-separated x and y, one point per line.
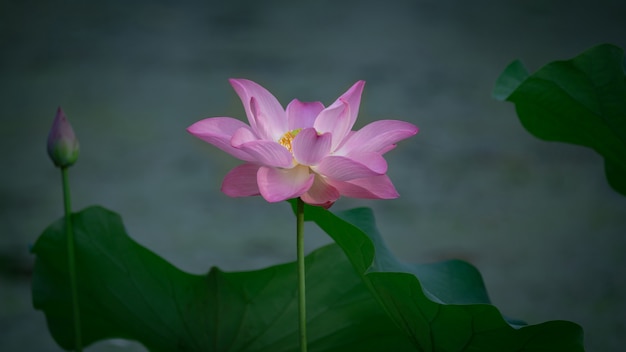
580	101
126	291
440	306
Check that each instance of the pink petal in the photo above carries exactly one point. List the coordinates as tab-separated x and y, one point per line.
266	127
302	114
241	136
321	193
340	127
241	181
376	187
219	131
378	136
267	153
335	120
387	148
309	148
277	185
353	97
266	115
348	168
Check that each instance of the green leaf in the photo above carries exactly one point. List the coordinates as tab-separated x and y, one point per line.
126	291
129	292
509	80
442	306
580	101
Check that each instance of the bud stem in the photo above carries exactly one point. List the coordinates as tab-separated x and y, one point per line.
301	273
71	258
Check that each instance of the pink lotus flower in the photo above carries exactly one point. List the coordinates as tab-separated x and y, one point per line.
306	150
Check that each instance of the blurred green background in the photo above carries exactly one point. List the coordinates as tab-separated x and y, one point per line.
537	218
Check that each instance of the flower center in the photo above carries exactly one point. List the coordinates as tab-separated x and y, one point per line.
288	137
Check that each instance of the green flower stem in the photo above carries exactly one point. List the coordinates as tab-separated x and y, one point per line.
301	274
71	258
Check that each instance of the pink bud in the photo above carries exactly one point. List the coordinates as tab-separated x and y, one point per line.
62	143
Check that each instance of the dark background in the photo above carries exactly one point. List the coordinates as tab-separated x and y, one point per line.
537	218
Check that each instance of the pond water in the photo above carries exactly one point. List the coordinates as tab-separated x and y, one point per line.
538	219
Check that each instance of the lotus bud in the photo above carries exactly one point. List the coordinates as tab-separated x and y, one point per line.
62	143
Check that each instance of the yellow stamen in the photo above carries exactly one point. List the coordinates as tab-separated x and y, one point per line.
288	137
